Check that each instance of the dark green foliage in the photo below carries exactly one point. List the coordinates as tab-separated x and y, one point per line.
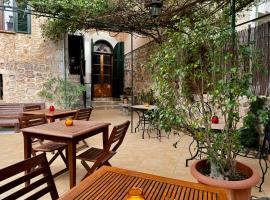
258	115
195	64
62	92
147	96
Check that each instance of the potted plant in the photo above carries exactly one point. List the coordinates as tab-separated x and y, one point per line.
147	97
63	93
196	64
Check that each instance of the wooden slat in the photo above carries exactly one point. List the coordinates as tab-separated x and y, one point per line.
20	180
43	175
98	183
109	183
187	194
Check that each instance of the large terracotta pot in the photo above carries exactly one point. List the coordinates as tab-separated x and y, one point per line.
240	190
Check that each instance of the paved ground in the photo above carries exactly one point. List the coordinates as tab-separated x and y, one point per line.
145	155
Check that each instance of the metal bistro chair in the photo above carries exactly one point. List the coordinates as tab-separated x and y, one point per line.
83	114
40	186
196	112
102	156
47	146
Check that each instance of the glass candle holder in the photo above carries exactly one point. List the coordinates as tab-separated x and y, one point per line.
135	193
69	122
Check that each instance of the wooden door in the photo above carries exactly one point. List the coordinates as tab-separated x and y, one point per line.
102	75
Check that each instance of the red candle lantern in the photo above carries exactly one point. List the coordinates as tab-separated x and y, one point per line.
51	108
214	120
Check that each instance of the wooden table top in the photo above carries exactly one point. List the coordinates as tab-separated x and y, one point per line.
60	129
114	183
47	112
143	107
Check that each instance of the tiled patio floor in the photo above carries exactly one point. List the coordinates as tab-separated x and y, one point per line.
145	155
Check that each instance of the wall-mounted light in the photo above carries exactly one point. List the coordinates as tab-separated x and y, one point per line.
155	7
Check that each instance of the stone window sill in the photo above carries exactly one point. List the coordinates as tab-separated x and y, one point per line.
7	32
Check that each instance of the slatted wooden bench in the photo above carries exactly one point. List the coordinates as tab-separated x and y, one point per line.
11	112
114	183
9	115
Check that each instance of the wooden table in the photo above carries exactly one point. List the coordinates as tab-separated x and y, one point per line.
114	183
52	115
59	132
141	111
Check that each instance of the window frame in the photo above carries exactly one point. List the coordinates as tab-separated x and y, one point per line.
15	21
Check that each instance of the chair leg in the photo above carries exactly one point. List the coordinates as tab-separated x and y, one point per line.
107	163
63	157
85	165
54	157
85	143
84	146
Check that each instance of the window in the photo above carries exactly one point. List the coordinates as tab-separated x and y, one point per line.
13	19
102	47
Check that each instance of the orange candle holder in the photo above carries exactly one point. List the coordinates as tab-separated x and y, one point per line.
135	193
69	122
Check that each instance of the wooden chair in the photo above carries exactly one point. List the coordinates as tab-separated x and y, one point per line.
47	146
102	156
31	108
34	167
83	114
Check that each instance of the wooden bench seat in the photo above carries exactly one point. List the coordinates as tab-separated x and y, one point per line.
11	112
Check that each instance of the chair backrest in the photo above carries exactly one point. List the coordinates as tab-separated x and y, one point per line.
117	136
36	167
32	120
83	114
31	107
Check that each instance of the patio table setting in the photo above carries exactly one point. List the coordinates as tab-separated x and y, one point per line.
52	114
74	73
70	135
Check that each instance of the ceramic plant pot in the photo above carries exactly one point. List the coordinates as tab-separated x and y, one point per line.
240	190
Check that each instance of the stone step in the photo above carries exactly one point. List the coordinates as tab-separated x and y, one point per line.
105	104
106	99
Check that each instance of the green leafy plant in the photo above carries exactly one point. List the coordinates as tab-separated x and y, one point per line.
254	122
62	92
196	66
147	96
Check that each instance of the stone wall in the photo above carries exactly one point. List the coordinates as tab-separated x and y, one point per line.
26	62
141	75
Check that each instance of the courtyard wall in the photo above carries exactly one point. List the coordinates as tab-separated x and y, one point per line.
27	61
142	78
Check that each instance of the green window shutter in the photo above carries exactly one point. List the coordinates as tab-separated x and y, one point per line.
23	19
118	69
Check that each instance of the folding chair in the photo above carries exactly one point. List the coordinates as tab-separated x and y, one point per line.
83	114
102	156
33	168
47	146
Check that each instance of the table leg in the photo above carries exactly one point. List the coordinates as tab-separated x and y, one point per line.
105	136
143	124
72	163
139	121
27	146
27	150
50	119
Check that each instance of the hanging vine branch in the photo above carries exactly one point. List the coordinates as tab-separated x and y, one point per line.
123	15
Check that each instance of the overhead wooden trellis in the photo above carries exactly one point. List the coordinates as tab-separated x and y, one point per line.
126	15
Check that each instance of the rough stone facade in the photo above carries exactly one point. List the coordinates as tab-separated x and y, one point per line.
141	75
26	62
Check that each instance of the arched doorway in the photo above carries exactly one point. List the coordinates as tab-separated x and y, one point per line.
102	69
